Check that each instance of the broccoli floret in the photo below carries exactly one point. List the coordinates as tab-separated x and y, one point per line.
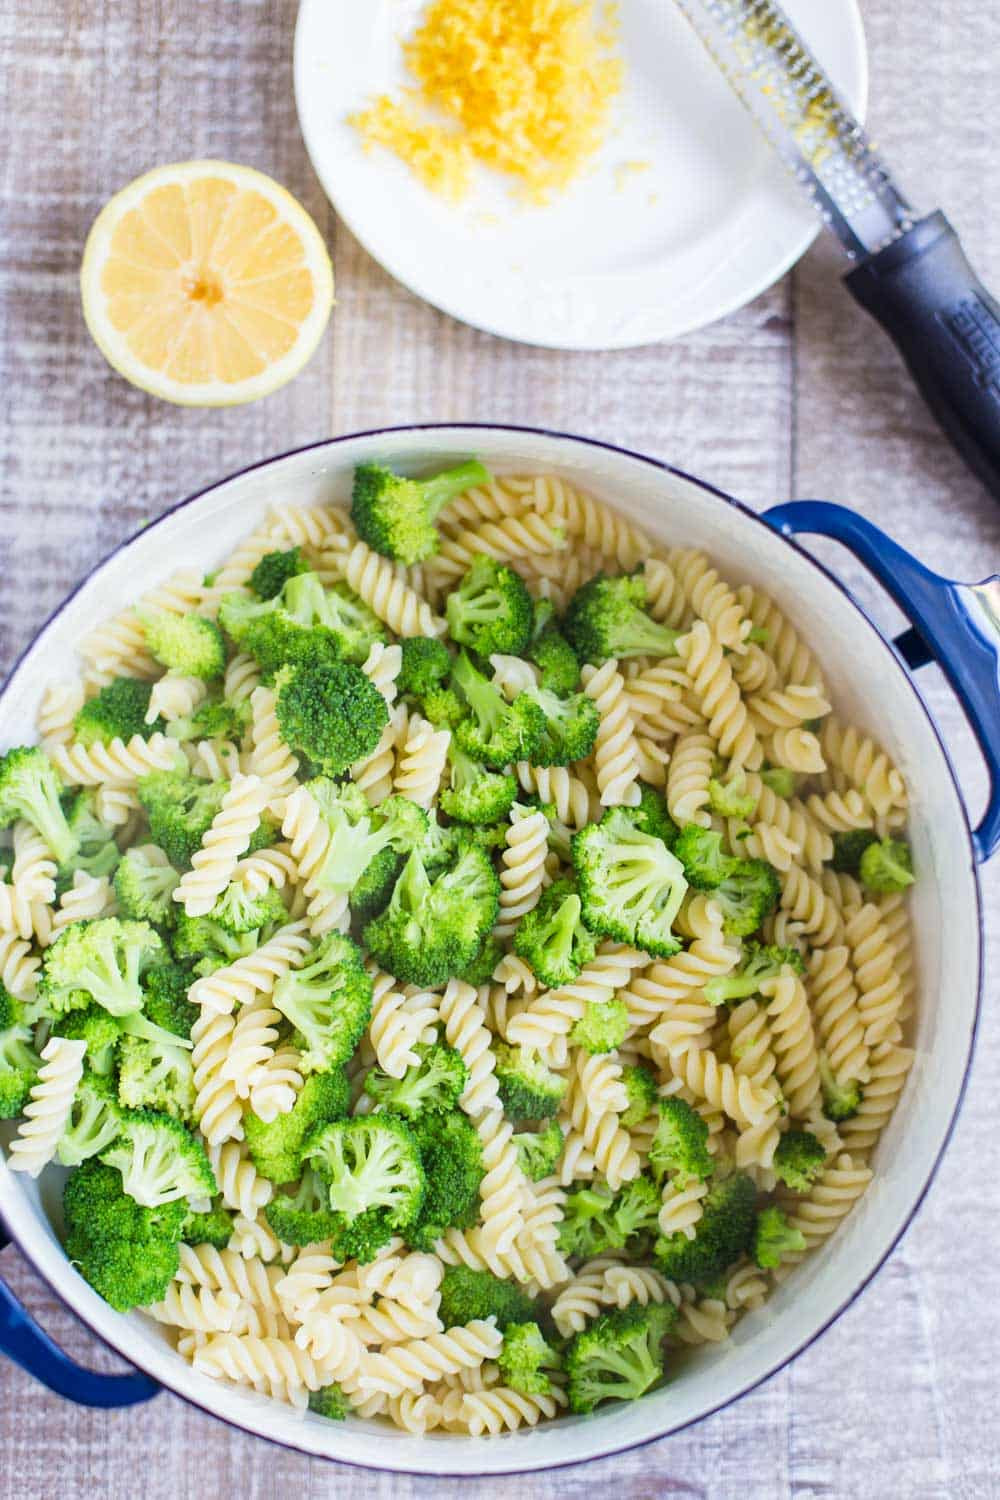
206	943
748	895
841	1098
94	1120
705	861
849	847
774	1238
525	1357
213	1227
760	961
887	866
18	1061
780	779
497	732
434	1085
180	810
328	1000
374	887
128	1253
330	1402
619	1356
102	960
491	610
186	643
482	968
359	835
602	1027
117	711
144	886
468	1295
240	910
571	726
630	884
451	1154
396	515
30	788
679	1149
159	1159
634	1213
539	1150
269	633
651	815
304	1216
607	618
444	708
276	1145
473	793
213	719
528	1089
274	570
552	937
96	853
798	1160
642	1092
337	609
425	665
374	1179
155	1075
333	713
431	930
595	1219
721	1235
730	799
98	1029
555	659
166	1004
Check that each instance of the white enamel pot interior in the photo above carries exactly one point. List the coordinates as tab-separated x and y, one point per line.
869	687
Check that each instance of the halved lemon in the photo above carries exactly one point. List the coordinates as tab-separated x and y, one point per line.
206	283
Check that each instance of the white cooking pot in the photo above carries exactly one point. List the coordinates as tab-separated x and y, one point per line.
872	687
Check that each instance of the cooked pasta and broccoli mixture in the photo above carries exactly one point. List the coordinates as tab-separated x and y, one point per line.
457	951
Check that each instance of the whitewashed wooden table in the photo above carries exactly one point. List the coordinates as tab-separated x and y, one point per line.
795	396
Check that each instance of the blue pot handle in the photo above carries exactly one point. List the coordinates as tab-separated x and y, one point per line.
955	624
29	1346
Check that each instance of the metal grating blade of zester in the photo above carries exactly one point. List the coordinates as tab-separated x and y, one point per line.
773	72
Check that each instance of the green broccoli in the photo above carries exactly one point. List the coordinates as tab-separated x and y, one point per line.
730	799
630	884
18	1061
424	668
525	1357
849	847
619	1356
206	944
528	1089
780	780
798	1160
214	719
474	794
841	1097
213	1227
722	1234
94	1120
602	1027
651	815
180	810
303	1216
328	999
571	726
30	788
276	1145
117	711
748	895
128	1253
555	659
607	618
155	1075
274	570
705	861
102	960
431	930
491	610
396	515
451	1154
595	1219
679	1149
186	643
374	1180
159	1159
330	1402
165	1002
887	866
374	887
444	708
273	638
642	1092
332	713
96	853
496	732
360	833
552	937
98	1029
145	884
539	1150
774	1238
337	609
239	910
433	1085
468	1295
760	961
483	966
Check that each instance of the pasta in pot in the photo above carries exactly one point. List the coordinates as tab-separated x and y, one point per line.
709	1005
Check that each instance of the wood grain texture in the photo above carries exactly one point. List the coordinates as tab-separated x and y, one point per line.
795	395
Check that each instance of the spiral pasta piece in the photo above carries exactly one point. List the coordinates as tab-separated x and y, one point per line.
308	833
719	1084
227	837
616	754
805	902
421	761
788	707
829	1200
840	811
374	773
276	1366
581	1300
61	702
89	897
395	1028
503	1409
834	997
792	820
575	803
522	876
270	758
715	689
115	764
874	960
174	696
792	658
889	1067
387	594
508	540
217	1107
688	775
410	1365
275	1084
199	1309
46	1114
681	1208
796	749
710	597
18	966
794	1042
659	699
583	517
256	973
599	1128
554	1013
465	1029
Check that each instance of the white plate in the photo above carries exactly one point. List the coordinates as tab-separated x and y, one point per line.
622	258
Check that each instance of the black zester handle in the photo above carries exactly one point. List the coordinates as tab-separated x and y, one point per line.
946	325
